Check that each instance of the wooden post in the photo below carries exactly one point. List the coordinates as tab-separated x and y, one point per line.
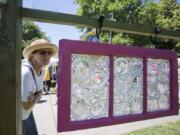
10	60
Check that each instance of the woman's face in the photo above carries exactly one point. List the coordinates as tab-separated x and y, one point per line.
42	56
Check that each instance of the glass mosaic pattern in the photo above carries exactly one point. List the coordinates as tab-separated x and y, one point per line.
89	87
158	87
128	86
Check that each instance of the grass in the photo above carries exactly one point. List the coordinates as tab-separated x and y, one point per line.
165	129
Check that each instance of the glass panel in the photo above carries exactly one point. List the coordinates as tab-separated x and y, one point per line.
128	86
158	85
89	87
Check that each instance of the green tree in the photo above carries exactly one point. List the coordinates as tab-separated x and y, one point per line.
169	14
148	14
168	18
177	48
124	10
164	14
30	32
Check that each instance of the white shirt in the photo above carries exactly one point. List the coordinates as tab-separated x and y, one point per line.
28	86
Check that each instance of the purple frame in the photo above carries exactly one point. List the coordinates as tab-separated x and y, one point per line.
68	47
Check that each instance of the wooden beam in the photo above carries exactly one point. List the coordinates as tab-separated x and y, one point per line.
82	21
10	69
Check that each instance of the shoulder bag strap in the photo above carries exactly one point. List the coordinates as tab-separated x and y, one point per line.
32	74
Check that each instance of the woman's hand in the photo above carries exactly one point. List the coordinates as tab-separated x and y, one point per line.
37	96
32	100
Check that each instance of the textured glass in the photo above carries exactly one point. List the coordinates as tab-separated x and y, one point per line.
128	86
89	87
158	85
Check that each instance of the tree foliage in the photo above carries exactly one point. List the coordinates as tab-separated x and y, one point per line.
30	32
165	14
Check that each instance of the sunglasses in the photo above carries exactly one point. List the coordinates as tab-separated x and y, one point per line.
43	52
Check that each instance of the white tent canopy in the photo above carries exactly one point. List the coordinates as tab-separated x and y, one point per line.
53	61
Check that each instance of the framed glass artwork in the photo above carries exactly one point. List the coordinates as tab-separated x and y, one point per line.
101	84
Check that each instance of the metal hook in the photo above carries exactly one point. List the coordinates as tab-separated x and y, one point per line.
157	31
100	25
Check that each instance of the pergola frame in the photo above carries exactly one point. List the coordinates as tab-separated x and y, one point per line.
11	14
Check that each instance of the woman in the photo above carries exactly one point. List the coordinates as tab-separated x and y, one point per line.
37	55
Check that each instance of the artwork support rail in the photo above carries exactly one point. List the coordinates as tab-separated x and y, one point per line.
82	21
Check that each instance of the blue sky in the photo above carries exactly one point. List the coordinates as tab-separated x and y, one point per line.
54	31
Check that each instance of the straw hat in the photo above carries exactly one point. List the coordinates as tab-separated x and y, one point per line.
39	44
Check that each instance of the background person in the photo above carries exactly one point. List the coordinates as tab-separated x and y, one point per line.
50	72
37	55
47	80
